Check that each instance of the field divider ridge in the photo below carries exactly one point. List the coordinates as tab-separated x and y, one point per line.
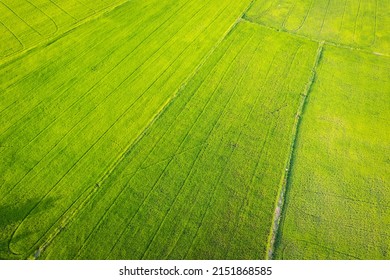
330	43
280	202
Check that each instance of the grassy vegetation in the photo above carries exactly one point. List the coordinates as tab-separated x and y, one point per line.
68	113
355	23
25	23
174	129
337	205
191	186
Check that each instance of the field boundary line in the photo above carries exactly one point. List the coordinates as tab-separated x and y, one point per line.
280	200
8	59
325	42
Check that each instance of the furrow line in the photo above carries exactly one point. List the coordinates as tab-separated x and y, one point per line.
325	15
356	21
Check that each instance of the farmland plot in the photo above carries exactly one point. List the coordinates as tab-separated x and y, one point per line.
338	200
68	110
25	23
359	23
202	181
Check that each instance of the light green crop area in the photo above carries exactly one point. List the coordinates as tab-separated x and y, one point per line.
338	198
192	185
358	23
70	109
24	23
194	129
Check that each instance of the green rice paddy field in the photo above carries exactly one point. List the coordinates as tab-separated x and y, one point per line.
194	129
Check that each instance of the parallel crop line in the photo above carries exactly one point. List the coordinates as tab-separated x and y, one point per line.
342	18
21	80
43	66
138	139
325	15
264	142
356	20
375	24
64	91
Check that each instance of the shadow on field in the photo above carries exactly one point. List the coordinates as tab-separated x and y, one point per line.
12	215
